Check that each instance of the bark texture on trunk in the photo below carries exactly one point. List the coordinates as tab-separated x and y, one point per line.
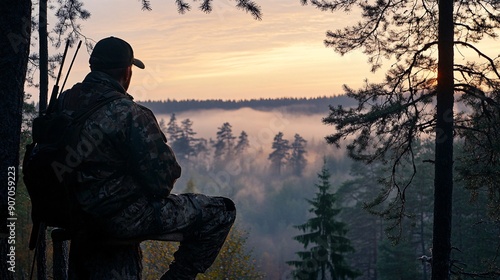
443	184
15	26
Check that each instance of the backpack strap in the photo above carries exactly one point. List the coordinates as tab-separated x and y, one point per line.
83	114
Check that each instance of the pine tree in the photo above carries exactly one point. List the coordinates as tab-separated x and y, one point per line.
187	129
397	262
201	149
280	154
366	230
243	143
162	125
475	234
173	129
298	159
479	164
324	238
225	142
417	95
185	142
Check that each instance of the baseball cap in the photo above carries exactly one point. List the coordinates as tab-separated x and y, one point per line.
112	53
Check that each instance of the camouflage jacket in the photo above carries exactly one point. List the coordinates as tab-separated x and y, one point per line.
125	161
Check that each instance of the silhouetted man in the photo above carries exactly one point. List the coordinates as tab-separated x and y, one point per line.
126	175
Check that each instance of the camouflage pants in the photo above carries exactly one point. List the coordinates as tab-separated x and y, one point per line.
204	222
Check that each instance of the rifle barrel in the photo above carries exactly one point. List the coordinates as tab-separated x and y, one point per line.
62	62
55	89
71	65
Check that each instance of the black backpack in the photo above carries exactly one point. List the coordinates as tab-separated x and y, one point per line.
48	166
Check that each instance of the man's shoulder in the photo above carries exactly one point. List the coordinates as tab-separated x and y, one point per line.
125	108
121	105
128	103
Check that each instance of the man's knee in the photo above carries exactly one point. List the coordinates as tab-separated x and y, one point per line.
229	204
229	210
226	213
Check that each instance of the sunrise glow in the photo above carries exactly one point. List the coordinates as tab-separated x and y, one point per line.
225	54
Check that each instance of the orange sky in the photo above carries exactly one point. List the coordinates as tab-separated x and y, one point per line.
226	54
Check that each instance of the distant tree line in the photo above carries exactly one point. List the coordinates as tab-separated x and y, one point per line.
302	105
226	147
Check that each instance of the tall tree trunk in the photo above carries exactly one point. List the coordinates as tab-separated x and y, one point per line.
443	182
44	55
41	250
15	26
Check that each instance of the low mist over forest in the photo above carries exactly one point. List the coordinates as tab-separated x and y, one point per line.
270	202
233	149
